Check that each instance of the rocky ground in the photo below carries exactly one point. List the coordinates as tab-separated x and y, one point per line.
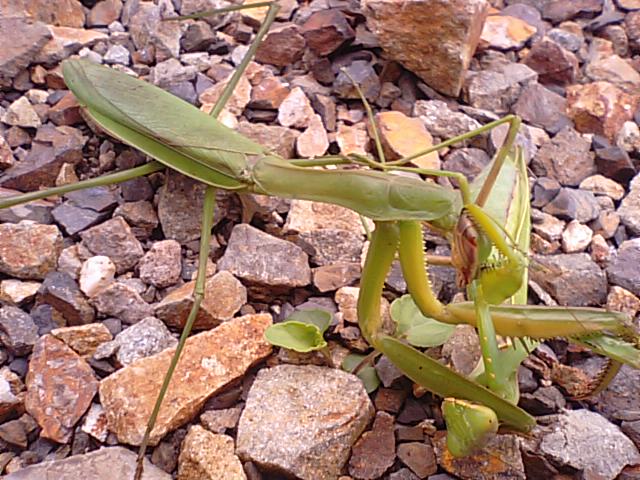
96	285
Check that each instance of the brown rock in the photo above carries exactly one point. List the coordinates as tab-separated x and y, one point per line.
307	217
505	32
162	264
282	46
68	13
66	111
104	12
218	421
29	250
331	277
554	64
52	148
61	291
209	362
405	36
122	301
352	139
313	142
22	114
280	140
7	159
558	11
295	110
115	240
375	450
60	387
27	38
65	42
224	295
207	456
419	457
403	136
83	339
327	30
268	94
600	107
616	70
16	292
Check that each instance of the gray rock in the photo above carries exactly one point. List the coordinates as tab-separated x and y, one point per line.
114	239
441	121
122	301
543	401
180	207
303	420
27	38
329	246
98	199
387	371
147	337
259	258
621	399
171	72
141	216
566	158
469	161
572	279
62	292
541	107
219	421
38	211
74	220
147	29
364	75
623	269
629	209
280	140
566	39
162	264
18	332
117	54
570	442
572	204
498	89
110	462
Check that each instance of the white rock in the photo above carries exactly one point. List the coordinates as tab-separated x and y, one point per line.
21	114
96	274
295	110
576	237
313	142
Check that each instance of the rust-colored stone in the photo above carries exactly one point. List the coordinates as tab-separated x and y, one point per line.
325	31
60	386
209	362
600	107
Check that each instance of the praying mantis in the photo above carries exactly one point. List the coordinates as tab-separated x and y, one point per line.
181	137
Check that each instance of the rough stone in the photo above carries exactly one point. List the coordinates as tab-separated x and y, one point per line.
570	442
18	332
282	46
114	239
621	270
364	75
103	13
207	456
83	339
600	107
352	139
571	204
328	246
96	274
209	362
22	114
572	279
96	465
257	257
224	295
29	250
280	140
554	64
122	301
162	264
419	457
143	339
219	421
375	451
403	136
60	387
541	107
576	237
505	32
629	209
616	70
65	42
295	110
148	31
327	30
313	142
441	121
497	89
326	411
61	292
600	185
28	37
51	149
16	292
403	34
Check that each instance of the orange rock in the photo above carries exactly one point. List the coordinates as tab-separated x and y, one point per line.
505	32
402	136
209	362
600	107
60	387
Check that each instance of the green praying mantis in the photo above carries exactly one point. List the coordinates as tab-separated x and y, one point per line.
490	259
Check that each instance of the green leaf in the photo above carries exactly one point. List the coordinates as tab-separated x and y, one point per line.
418	330
369	378
314	316
298	336
351	361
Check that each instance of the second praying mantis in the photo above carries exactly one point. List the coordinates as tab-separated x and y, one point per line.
490	259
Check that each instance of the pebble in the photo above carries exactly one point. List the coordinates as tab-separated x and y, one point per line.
402	136
210	361
257	257
325	409
327	30
65	42
363	74
571	204
219	421
28	36
208	456
541	107
374	452
122	301
629	207
282	46
95	423
552	62
615	70
313	142
96	465
96	274
419	457
570	442
576	237
83	339
18	332
17	292
352	139
280	140
295	110
143	339
601	185
565	158
104	13
61	292
60	387
505	32
622	269
224	295
328	246
29	250
600	107
331	277
114	239
162	264
622	300
441	121
22	114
